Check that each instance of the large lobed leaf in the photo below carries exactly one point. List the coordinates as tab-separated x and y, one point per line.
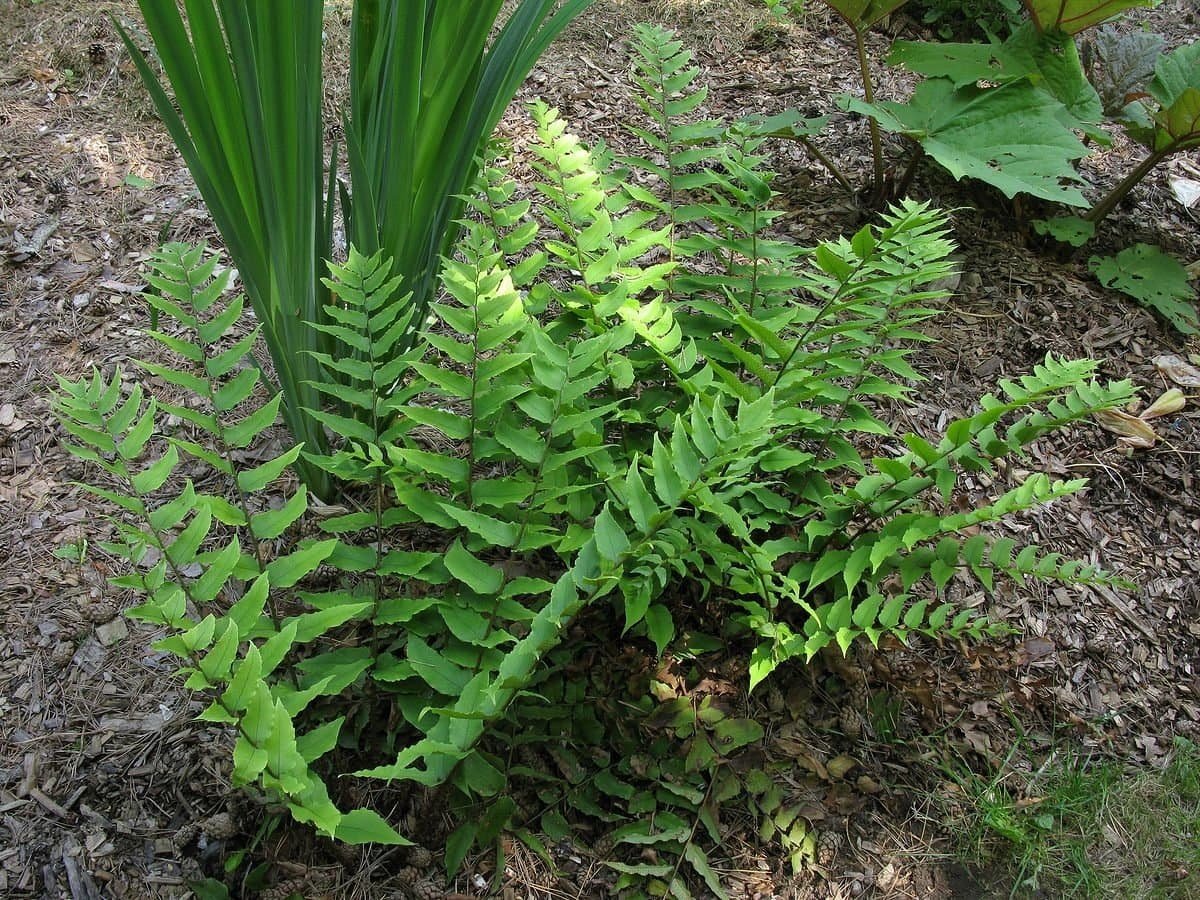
1074	16
862	14
1010	136
1047	61
1176	87
1126	63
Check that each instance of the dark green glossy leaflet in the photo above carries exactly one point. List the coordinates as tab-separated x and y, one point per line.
705	446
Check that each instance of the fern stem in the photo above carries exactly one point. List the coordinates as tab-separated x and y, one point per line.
692	833
600	325
569	216
222	443
821	313
226	452
948	455
669	145
194	657
474	391
243	498
756	261
376	399
181	580
528	513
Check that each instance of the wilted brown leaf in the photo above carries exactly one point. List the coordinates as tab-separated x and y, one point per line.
840	765
662	692
803	755
1134	432
978	741
1033	649
1178	370
868	785
1171	401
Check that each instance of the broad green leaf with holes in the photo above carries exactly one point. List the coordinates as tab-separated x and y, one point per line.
1067	229
1153	278
1008	136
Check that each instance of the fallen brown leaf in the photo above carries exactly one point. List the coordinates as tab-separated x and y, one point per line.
868	785
978	741
1134	431
1179	371
1171	401
1034	649
801	753
840	765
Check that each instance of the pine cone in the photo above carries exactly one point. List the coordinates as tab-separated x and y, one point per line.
97	54
419	858
185	835
902	666
858	693
219	827
828	844
850	722
63	653
427	889
604	845
98	612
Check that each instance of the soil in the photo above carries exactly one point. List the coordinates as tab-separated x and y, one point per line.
109	789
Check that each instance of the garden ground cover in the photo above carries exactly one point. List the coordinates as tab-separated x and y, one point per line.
101	768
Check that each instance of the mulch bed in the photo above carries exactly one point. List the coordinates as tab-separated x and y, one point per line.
108	789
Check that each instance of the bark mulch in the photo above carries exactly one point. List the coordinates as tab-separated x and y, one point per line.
107	787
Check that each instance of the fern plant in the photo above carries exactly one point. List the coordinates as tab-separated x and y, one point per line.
594	416
234	624
665	72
